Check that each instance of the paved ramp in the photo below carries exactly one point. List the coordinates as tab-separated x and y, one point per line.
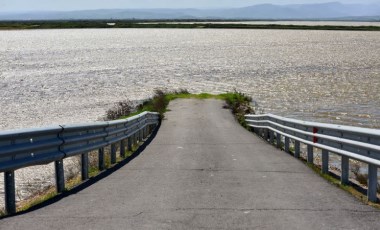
204	171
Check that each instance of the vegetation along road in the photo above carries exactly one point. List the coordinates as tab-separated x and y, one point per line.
203	170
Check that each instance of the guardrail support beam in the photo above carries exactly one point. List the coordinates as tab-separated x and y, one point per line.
310	154
59	176
122	148
297	149
10	192
141	135
266	134
84	162
278	140
113	153
271	137
372	183
287	144
130	143
101	164
325	161
150	128
345	170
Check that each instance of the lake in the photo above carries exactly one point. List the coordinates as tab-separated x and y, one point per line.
68	76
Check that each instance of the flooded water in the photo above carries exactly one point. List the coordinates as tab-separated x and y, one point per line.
303	23
67	76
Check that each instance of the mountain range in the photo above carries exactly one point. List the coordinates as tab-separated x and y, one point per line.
332	10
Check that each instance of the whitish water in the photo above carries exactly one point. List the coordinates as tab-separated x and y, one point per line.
306	23
65	76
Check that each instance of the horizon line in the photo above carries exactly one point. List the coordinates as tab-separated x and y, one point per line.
180	8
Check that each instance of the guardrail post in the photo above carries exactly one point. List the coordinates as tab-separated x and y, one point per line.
84	162
101	164
150	129
278	139
59	176
287	144
345	169
372	183
113	153
10	192
325	161
141	134
271	137
266	134
297	149
130	143
310	154
122	148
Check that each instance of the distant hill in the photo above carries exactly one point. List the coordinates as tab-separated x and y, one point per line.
263	11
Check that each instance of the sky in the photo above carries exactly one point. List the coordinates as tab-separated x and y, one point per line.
64	5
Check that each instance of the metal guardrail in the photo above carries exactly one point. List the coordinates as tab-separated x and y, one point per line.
23	148
361	144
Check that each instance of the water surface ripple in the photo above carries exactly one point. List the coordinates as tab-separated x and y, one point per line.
67	76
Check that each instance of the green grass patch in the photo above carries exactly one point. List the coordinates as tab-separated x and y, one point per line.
37	199
351	190
237	102
336	182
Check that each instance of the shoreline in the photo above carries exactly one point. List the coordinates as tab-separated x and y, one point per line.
128	24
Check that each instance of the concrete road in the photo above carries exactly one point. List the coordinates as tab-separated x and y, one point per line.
204	171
